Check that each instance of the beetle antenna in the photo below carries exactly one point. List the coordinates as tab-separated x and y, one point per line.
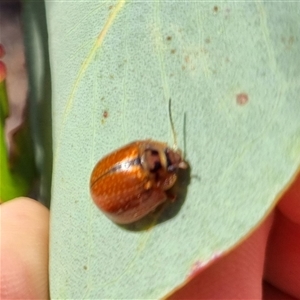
184	135
172	125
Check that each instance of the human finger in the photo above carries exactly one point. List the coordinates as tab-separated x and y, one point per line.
283	251
237	275
24	250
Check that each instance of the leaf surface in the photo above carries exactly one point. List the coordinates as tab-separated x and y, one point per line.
231	70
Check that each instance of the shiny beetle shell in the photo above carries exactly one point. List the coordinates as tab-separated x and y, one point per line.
132	181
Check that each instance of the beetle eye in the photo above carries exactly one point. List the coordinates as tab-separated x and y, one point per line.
153	160
154	152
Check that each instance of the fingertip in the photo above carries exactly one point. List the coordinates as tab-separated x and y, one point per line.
237	275
282	267
24	249
289	204
272	293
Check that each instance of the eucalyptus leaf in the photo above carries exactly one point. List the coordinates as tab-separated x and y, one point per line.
232	72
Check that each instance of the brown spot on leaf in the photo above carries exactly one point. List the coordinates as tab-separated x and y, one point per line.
242	99
169	38
288	41
104	116
173	51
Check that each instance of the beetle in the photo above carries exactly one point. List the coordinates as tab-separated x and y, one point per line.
132	181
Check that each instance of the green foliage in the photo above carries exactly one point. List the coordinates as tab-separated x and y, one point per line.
17	170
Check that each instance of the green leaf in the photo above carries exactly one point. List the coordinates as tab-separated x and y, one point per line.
39	93
231	69
17	169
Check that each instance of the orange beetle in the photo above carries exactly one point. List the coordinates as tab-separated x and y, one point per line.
132	181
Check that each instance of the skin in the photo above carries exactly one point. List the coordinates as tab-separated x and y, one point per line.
271	252
24	250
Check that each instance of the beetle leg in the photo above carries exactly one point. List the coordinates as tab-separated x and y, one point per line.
169	182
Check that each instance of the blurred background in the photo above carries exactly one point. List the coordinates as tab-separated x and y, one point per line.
11	37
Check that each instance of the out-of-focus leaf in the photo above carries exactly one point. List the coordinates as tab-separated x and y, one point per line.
17	170
39	94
